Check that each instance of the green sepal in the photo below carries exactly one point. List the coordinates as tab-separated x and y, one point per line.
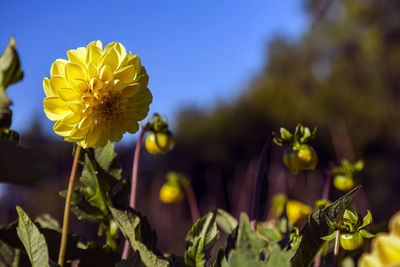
365	233
329	237
366	220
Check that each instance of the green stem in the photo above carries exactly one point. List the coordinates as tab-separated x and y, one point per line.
255	206
135	171
64	237
336	249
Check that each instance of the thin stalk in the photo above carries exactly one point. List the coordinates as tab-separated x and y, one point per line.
194	208
255	206
325	196
135	171
336	249
64	236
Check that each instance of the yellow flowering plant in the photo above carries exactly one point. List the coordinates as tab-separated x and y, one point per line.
97	94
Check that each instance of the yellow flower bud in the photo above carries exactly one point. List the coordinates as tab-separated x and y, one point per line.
297	211
171	193
160	142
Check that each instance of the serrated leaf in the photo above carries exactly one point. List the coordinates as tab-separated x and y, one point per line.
318	227
34	242
130	225
248	246
21	166
200	240
226	221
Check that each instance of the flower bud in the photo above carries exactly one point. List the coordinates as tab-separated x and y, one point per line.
171	193
159	142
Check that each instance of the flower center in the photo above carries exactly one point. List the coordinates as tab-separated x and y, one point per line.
110	109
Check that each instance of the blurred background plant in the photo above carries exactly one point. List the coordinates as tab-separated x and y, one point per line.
342	75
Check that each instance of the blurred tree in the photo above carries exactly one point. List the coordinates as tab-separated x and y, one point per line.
343	76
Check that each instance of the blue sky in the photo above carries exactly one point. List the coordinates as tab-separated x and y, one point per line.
195	52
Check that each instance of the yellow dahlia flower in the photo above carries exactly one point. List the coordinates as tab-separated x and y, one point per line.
385	248
97	94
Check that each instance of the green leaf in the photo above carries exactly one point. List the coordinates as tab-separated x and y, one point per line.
130	225
248	246
46	221
277	259
317	227
226	221
200	240
34	242
12	257
270	234
21	166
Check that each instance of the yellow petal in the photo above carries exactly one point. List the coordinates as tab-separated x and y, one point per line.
130	125
96	84
134	60
58	67
62	129
93	55
394	224
70	118
81	86
76	107
106	73
131	90
93	137
368	261
48	89
388	248
54	108
68	94
58	82
91	71
97	44
77	56
85	123
126	74
74	71
110	58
